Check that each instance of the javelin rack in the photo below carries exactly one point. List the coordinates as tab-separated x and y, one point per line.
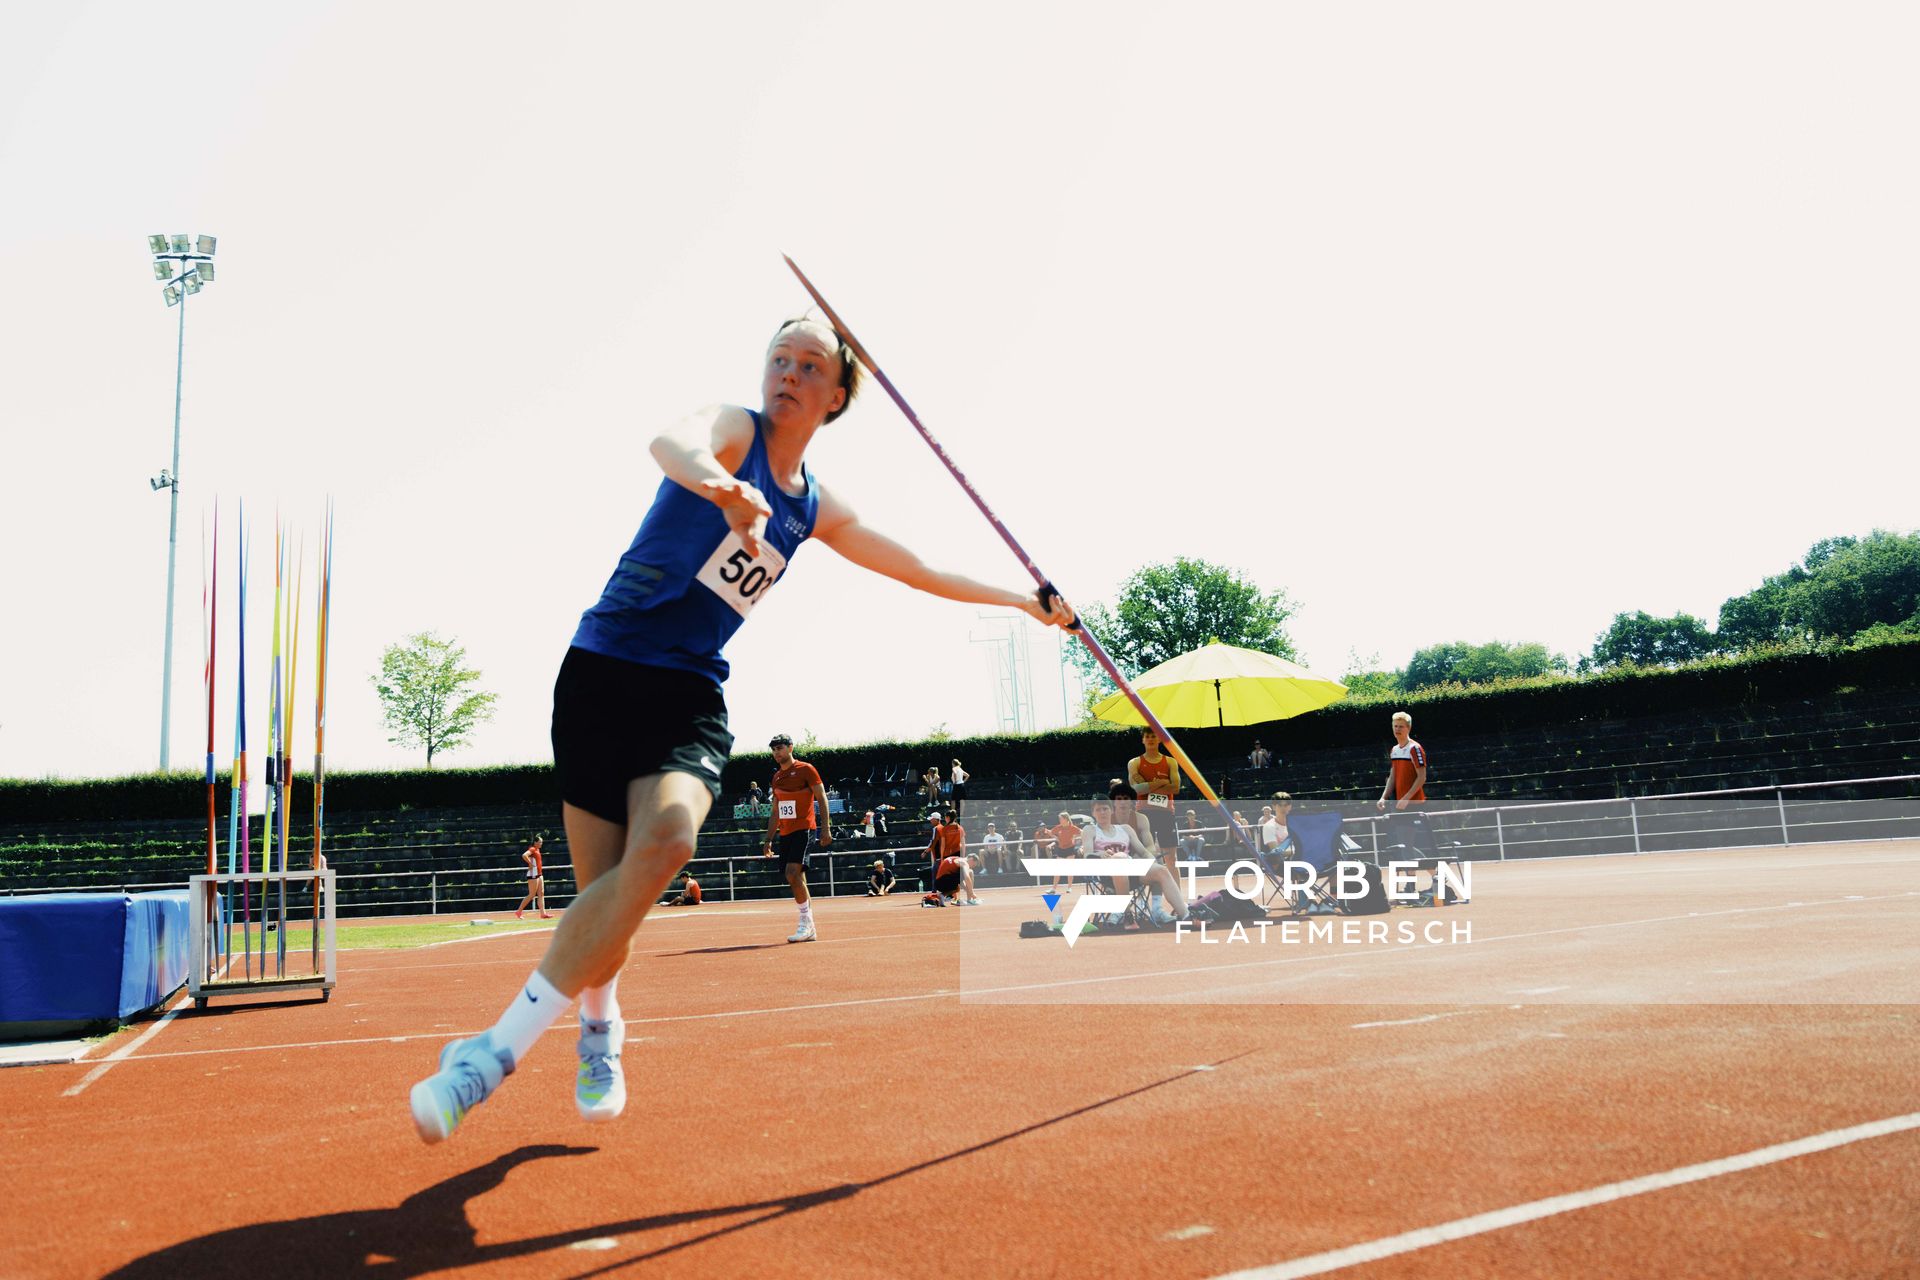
238	933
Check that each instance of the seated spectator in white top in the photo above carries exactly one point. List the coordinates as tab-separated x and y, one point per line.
993	849
1274	830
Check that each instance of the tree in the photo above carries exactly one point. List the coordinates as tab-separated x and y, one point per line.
1856	583
1165	610
424	694
1758	617
1842	588
1365	678
1461	663
1649	641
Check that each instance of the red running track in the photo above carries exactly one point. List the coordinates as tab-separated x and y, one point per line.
838	1109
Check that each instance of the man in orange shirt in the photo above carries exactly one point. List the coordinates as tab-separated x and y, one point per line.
1066	840
1406	769
952	870
791	826
1406	788
1156	784
689	895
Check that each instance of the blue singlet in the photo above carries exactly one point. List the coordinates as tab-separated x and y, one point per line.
686	584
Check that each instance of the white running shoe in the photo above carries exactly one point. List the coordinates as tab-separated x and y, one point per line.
470	1070
600	1087
805	933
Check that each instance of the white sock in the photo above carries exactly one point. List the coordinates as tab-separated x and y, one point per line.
806	911
532	1011
600	1004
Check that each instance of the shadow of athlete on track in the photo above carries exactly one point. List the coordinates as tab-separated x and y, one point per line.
429	1231
721	951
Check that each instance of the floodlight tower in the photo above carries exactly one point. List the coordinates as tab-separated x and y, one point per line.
195	258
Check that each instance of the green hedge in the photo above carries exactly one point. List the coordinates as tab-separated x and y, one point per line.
1749	682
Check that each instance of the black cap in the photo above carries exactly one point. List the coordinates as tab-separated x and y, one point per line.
780	740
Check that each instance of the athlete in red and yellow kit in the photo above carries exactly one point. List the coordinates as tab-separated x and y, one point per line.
791	828
1156	785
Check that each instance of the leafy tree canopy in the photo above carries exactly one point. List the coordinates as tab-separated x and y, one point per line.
1648	641
1165	610
425	694
1843	588
1458	662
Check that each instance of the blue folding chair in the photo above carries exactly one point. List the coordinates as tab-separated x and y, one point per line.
1312	838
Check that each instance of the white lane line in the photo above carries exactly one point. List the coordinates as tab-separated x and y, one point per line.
484	937
125	1051
694	944
946	992
1547	991
1409	1022
1499	1219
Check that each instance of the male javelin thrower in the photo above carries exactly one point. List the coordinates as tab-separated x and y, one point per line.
639	724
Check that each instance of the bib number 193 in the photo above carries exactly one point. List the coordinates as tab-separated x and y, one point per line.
738	577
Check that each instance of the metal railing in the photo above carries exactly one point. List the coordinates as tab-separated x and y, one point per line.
1733	817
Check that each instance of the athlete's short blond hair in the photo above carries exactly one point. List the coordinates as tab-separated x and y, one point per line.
1400	717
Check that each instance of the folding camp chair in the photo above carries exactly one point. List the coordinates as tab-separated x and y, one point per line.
1312	838
1139	909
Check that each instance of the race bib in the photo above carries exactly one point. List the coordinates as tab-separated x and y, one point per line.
1157	801
740	579
789	810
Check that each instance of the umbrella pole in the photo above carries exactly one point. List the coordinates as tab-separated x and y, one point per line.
1047	589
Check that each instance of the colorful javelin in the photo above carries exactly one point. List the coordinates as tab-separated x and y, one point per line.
1047	589
275	795
239	835
286	740
320	718
212	605
210	644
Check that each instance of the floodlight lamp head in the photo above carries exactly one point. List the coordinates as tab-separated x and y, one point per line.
193	283
205	272
161	481
172	292
180	244
163	270
157	243
205	244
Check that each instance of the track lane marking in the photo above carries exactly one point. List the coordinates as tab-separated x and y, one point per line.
1534	1210
125	1051
944	992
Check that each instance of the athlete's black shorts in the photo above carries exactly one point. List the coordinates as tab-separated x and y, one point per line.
949	884
614	721
1161	821
795	846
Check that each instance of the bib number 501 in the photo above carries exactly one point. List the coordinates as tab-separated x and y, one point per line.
738	577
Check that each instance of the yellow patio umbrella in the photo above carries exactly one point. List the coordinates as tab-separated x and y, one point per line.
1222	684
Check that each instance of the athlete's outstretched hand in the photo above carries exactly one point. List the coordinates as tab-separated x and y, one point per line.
744	506
1049	607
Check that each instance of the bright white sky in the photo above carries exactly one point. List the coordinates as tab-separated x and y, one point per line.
1468	321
